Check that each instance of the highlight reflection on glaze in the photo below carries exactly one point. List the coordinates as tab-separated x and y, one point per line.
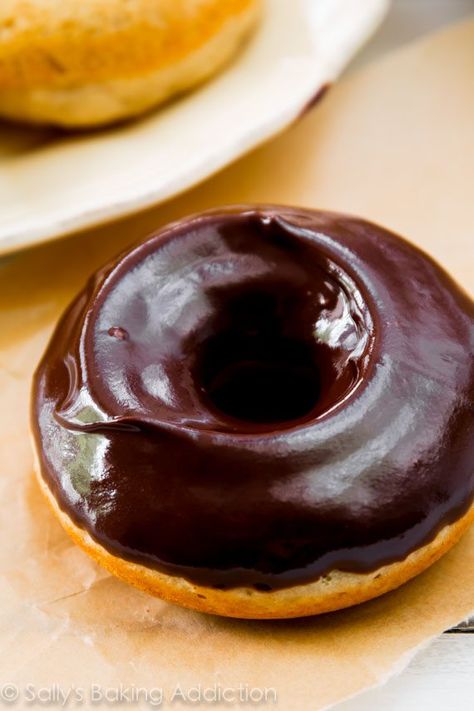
258	396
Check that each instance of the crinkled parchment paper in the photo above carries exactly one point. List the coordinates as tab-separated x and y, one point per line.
394	143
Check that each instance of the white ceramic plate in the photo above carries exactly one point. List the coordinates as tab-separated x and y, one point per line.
51	185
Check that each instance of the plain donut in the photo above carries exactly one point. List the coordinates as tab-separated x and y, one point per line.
81	64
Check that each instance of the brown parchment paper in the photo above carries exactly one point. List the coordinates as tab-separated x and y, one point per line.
394	143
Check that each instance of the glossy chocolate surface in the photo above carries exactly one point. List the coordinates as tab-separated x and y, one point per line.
259	396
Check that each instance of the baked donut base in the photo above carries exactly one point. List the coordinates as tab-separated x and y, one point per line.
333	591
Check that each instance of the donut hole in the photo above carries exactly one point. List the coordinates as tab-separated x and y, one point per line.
272	356
260	379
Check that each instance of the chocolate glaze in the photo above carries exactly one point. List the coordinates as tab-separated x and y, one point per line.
315	99
258	396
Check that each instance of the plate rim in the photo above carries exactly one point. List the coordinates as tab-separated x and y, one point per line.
241	146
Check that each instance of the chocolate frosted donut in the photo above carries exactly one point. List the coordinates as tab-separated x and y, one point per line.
262	412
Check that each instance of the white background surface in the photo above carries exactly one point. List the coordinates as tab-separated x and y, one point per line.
441	677
409	19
